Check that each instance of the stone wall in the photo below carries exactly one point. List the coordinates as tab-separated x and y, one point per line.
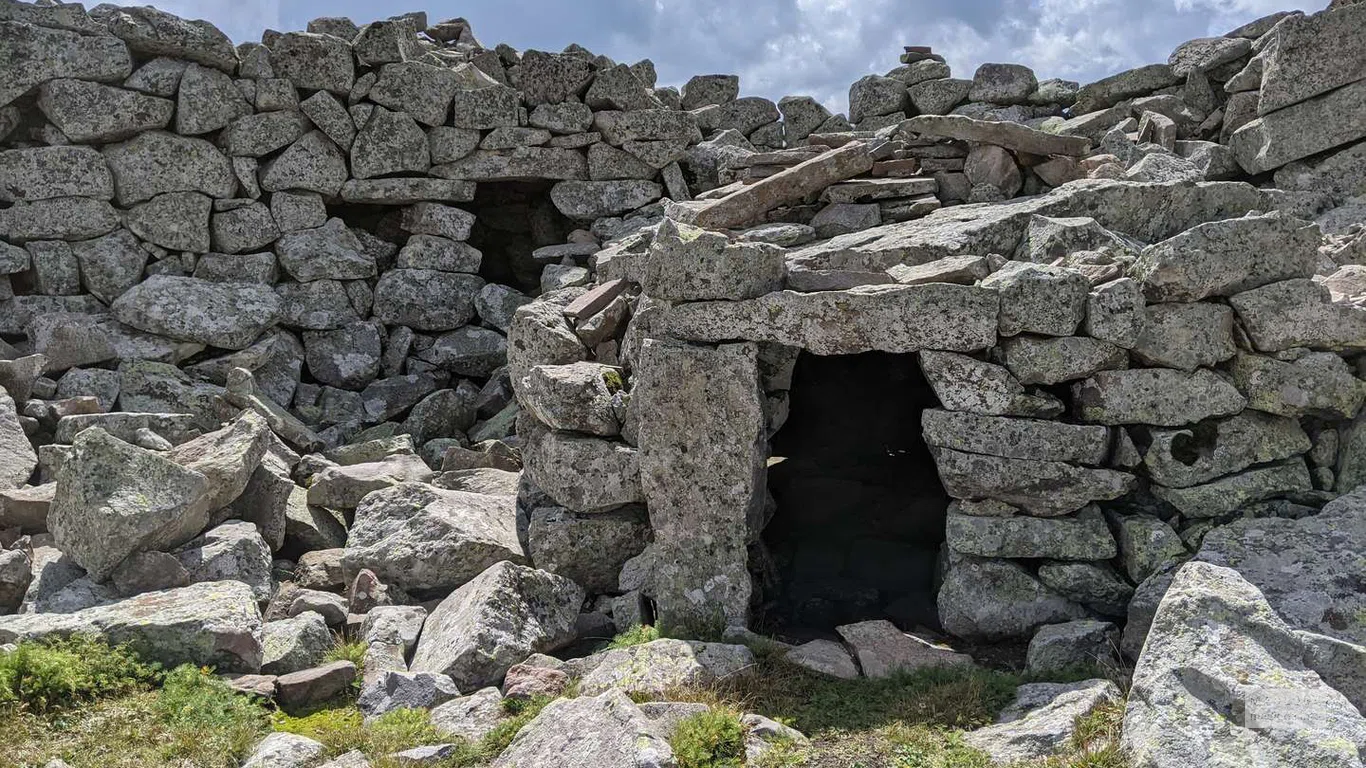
1139	301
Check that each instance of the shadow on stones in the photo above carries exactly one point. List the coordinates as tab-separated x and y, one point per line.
513	219
860	509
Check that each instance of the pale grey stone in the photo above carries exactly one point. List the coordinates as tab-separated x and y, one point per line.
582	473
589	549
426	300
1299	313
1015	438
344	487
1039	299
874	95
1147	545
1301	130
40	173
1083	536
312	163
1156	396
226	315
1230	493
314	62
156	162
966	384
207	100
421	538
1003	83
59	218
1034	360
825	657
88	112
1185	457
37	54
1290	715
285	750
175	221
659	666
470	717
994	599
262	134
329	252
882	650
1044	488
1042	721
607	730
1223	258
495	621
212	624
1317	384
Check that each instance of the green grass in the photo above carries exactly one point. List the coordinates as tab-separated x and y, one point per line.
194	719
711	739
60	673
640	634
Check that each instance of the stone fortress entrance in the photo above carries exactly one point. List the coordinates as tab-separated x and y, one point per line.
859	517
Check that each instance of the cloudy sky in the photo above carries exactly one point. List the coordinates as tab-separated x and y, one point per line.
814	47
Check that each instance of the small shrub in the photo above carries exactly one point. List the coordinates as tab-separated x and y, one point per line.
57	673
200	709
497	740
711	739
347	650
640	634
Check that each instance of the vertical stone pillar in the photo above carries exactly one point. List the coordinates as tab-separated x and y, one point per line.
702	457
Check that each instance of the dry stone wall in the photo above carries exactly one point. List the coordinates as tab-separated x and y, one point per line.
379	316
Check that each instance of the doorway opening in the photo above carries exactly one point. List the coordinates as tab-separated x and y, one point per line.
512	220
860	510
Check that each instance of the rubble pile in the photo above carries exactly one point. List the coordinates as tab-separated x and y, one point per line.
478	354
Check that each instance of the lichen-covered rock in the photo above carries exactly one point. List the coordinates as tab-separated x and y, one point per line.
344	487
1156	396
1083	536
17	457
39	173
585	474
690	264
1185	336
1043	488
392	689
1035	360
114	499
423	539
1015	438
1322	550
1229	493
1042	720
505	614
425	299
965	383
1287	713
233	551
36	54
608	731
294	644
1185	457
1317	384
659	666
92	113
226	315
995	599
285	750
577	397
1299	313
887	318
1222	258
210	624
589	549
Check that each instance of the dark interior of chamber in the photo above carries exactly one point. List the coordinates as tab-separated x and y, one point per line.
513	219
860	510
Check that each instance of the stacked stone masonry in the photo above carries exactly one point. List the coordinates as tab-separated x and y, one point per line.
439	331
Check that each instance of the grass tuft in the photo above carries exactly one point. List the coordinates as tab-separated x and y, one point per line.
640	634
58	673
711	739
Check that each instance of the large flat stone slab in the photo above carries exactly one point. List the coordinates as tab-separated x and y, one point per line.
213	624
887	318
1016	136
1313	55
1157	396
1043	488
752	202
702	456
1016	438
1307	128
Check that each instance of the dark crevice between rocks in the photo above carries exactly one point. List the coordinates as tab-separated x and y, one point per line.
512	220
860	510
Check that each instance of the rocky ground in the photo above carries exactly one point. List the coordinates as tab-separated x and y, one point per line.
372	396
